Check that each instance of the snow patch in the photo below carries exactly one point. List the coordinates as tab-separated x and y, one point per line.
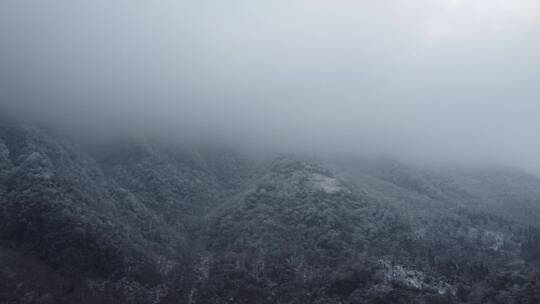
414	280
495	239
325	183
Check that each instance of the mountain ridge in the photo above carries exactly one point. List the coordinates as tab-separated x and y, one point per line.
147	222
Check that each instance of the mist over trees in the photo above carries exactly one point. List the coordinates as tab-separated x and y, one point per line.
424	80
300	151
149	222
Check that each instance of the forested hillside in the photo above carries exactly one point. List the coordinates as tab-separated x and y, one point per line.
142	221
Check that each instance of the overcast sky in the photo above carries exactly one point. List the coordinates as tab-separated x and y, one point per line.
427	79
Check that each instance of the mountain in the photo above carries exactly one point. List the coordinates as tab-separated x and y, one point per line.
147	221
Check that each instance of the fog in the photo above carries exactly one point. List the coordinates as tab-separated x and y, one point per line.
426	80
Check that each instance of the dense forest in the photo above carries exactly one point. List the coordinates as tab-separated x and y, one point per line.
147	221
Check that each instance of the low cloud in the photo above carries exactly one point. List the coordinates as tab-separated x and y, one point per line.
427	80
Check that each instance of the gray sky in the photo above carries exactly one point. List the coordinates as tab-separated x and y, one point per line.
422	79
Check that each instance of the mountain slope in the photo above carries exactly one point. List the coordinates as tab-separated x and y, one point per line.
141	221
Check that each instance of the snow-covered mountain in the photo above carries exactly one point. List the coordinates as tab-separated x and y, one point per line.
143	221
